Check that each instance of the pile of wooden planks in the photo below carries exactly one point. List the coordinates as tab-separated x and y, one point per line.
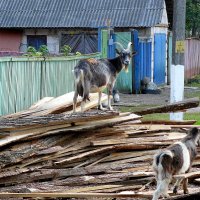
47	151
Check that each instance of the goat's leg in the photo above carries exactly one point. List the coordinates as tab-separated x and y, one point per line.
109	100
82	106
100	107
185	186
178	181
162	189
75	101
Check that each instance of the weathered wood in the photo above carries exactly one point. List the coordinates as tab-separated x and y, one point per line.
75	195
173	107
169	122
188	175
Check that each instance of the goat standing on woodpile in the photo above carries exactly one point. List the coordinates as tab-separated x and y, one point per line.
93	75
176	159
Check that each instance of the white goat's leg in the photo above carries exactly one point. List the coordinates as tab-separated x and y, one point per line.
178	181
162	189
99	101
82	106
109	100
75	99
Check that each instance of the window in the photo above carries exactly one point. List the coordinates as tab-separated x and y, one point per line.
36	40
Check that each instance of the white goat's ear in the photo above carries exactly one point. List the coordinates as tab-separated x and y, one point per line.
134	53
117	51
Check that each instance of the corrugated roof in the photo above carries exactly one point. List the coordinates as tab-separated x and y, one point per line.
79	13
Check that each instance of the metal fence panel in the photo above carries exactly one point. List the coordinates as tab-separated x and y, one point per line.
192	58
24	81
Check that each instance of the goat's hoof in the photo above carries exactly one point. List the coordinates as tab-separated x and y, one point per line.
110	108
186	191
101	108
175	190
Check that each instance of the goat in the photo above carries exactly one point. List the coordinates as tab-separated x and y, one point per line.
176	159
92	75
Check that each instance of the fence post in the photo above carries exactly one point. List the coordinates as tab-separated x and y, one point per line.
135	61
99	39
104	44
111	46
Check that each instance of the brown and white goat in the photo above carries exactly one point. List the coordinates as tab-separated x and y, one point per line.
92	75
176	159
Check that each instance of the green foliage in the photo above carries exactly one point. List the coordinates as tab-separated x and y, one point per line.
193	17
78	53
44	50
66	50
32	52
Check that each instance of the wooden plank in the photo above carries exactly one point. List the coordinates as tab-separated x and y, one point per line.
73	195
169	122
188	175
173	107
50	130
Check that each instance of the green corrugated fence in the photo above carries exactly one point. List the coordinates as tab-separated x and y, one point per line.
124	80
23	81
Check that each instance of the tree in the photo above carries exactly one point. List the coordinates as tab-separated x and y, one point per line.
193	18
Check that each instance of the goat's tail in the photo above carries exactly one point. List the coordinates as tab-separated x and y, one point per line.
162	164
81	84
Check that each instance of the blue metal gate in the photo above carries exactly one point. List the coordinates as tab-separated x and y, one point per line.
142	60
159	58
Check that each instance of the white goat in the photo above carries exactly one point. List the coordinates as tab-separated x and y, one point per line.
176	159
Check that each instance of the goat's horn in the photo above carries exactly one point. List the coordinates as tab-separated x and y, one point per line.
119	44
129	46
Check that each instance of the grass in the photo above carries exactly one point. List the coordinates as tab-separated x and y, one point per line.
187	116
160	116
189	93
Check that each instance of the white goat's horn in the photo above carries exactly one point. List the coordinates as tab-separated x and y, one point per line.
119	44
129	46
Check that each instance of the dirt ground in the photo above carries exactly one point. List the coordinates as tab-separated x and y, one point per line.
157	99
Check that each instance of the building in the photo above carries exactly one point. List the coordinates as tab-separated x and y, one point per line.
79	23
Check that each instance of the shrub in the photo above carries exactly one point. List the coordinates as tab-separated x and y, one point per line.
66	50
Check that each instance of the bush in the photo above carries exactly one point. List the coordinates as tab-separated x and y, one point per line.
44	50
66	50
32	52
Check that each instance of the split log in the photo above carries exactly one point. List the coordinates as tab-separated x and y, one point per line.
169	122
74	195
188	175
173	107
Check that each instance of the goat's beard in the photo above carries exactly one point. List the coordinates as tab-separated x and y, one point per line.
126	68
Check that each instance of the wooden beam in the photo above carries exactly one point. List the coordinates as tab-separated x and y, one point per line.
173	107
188	175
73	195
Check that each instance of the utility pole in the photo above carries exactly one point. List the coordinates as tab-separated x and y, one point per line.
178	49
179	19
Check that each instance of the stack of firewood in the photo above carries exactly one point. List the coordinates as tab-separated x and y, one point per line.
48	151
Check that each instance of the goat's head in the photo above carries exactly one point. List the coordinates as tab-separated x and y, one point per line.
125	55
194	134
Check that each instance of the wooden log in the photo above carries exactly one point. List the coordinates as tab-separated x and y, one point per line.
169	122
188	175
52	130
173	107
75	195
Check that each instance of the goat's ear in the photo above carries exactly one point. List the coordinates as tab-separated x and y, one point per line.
117	51
134	53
